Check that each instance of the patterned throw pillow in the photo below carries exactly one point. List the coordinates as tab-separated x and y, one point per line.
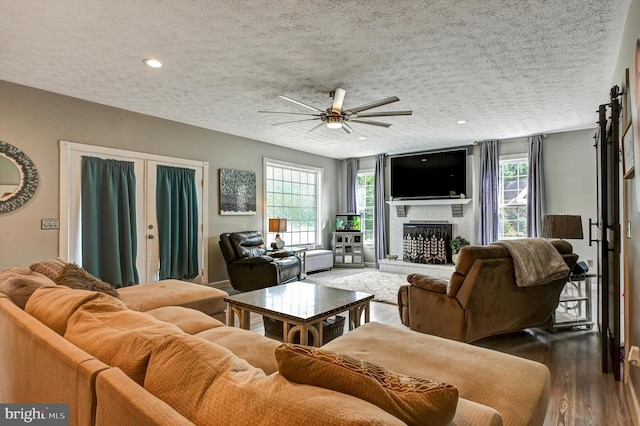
50	268
74	276
413	400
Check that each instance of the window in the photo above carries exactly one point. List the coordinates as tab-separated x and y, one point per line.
512	204
292	192
365	201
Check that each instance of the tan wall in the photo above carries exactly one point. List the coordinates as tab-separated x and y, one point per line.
570	179
626	59
35	120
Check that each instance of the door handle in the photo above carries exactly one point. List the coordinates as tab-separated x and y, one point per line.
591	225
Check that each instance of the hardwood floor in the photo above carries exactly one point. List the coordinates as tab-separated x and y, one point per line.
580	393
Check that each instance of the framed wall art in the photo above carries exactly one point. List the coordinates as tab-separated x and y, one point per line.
237	192
628	151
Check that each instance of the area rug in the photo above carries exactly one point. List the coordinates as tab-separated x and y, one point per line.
383	285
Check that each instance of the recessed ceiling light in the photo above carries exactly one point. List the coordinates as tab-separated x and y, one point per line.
153	63
362	138
461	122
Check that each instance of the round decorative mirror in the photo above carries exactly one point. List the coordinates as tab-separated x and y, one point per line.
18	177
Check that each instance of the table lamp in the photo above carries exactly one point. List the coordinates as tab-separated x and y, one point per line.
563	226
277	225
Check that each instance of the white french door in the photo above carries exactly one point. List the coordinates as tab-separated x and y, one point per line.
145	167
151	225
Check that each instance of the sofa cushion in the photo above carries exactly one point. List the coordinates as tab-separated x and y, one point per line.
144	297
50	268
118	336
188	320
415	401
76	277
20	283
256	349
53	306
216	387
481	375
318	259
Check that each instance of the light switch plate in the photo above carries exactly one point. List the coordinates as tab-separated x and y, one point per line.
49	224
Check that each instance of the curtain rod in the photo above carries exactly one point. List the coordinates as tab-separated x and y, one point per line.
513	139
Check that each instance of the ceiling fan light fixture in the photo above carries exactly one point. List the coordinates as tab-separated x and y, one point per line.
334	122
338	118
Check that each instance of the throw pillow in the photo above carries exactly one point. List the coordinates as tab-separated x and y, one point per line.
20	283
73	276
413	400
50	268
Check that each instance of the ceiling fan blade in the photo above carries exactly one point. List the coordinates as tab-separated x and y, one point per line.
346	127
338	99
295	121
295	113
373	104
373	123
301	104
382	114
321	124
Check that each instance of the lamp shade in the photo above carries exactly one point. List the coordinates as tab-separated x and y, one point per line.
563	226
277	225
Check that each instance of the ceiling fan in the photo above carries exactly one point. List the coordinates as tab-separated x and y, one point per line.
336	117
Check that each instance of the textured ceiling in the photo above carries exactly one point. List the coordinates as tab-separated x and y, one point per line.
510	68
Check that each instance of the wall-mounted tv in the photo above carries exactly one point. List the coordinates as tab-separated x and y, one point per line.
436	174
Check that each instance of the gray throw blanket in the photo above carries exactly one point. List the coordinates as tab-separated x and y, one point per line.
535	261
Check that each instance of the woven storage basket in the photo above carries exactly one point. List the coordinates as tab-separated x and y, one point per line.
331	328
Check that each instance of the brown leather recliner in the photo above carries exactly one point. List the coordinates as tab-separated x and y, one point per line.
481	299
251	267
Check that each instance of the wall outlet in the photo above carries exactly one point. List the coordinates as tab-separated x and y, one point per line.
590	263
49	224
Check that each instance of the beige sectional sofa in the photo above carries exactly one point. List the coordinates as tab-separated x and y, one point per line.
175	365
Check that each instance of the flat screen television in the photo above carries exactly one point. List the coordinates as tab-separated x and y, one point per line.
427	175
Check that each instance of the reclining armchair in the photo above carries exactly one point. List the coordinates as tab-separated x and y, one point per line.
482	297
251	267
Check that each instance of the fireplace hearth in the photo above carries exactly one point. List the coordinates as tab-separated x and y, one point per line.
426	242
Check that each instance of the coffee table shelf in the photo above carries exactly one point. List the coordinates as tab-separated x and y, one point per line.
301	307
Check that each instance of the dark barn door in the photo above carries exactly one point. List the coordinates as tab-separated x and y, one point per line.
607	154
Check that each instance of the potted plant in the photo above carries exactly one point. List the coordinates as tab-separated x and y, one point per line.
456	244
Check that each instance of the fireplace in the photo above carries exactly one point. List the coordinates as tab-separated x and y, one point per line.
426	242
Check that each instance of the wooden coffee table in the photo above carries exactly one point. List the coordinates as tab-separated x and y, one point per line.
300	306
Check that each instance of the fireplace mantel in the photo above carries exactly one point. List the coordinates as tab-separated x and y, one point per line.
455	203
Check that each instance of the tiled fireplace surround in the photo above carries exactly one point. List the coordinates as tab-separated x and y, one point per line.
429	212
